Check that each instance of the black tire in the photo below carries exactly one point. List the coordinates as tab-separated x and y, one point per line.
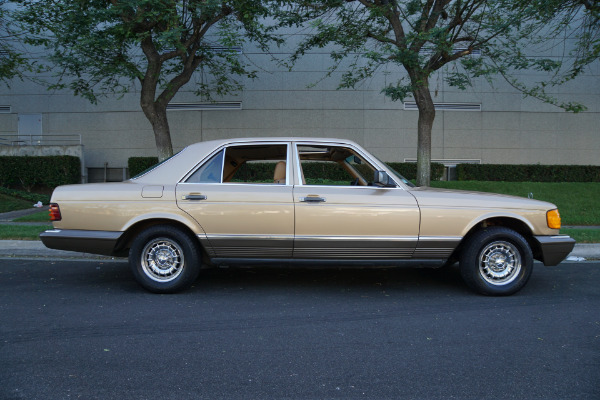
165	259
496	261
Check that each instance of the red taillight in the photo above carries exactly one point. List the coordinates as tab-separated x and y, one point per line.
55	212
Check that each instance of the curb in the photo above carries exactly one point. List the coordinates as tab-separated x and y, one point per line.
36	249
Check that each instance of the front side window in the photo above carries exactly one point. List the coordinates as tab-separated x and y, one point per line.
334	166
252	164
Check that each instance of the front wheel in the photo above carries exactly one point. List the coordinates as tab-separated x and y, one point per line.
164	259
496	261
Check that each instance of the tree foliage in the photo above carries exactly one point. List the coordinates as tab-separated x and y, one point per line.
13	63
102	47
421	37
575	20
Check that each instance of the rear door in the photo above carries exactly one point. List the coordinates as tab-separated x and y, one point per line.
244	208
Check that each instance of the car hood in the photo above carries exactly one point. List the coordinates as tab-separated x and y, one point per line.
434	197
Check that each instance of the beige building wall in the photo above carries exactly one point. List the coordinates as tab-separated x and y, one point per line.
508	129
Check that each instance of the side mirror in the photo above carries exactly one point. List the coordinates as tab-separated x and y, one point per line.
382	179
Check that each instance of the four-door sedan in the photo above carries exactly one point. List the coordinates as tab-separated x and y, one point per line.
208	206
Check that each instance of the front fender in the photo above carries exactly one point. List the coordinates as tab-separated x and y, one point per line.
492	215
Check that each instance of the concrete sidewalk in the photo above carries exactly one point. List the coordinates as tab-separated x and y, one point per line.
36	249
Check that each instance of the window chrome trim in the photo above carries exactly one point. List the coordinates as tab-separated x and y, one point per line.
216	236
412	239
227	184
199	164
223	165
440	238
232	143
350	187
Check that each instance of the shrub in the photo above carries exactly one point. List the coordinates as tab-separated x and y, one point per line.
137	165
47	171
528	173
409	170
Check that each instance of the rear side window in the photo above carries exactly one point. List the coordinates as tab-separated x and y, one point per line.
210	172
251	164
264	164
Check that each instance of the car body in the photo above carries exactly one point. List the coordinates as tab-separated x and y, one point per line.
206	206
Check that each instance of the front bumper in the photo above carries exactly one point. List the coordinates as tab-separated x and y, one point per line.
554	249
94	242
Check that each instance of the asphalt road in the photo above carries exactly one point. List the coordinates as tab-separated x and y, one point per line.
84	329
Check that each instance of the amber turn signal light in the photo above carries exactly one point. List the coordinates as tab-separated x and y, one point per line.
55	212
553	219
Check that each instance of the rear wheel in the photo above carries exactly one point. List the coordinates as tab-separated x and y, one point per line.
496	261
165	259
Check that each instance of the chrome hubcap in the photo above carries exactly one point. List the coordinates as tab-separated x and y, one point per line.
162	260
500	263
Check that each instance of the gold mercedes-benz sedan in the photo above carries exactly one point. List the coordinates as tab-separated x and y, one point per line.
208	206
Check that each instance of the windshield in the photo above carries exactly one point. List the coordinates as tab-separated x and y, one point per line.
398	175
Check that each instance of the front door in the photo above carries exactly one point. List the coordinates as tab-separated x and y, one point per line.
341	215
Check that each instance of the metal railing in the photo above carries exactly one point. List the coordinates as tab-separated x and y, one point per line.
40	140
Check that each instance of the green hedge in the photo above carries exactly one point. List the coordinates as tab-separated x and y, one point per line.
137	165
409	170
528	173
264	171
28	172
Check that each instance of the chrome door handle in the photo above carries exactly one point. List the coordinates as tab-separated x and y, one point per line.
194	197
312	199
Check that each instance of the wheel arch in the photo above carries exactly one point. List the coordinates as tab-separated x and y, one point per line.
126	239
515	223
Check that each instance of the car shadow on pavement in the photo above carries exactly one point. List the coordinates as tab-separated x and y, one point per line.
391	279
117	276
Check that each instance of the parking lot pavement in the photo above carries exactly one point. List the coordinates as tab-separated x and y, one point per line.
85	329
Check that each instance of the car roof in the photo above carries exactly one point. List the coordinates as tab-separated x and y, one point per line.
220	142
173	169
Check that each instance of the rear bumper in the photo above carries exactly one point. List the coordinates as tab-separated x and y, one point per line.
554	249
94	242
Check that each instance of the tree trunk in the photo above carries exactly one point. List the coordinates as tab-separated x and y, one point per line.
155	107
157	115
426	116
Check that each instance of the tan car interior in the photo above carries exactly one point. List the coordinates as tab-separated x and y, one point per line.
237	156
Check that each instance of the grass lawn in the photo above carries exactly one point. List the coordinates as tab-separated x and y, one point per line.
21	232
583	235
42	216
9	203
577	202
